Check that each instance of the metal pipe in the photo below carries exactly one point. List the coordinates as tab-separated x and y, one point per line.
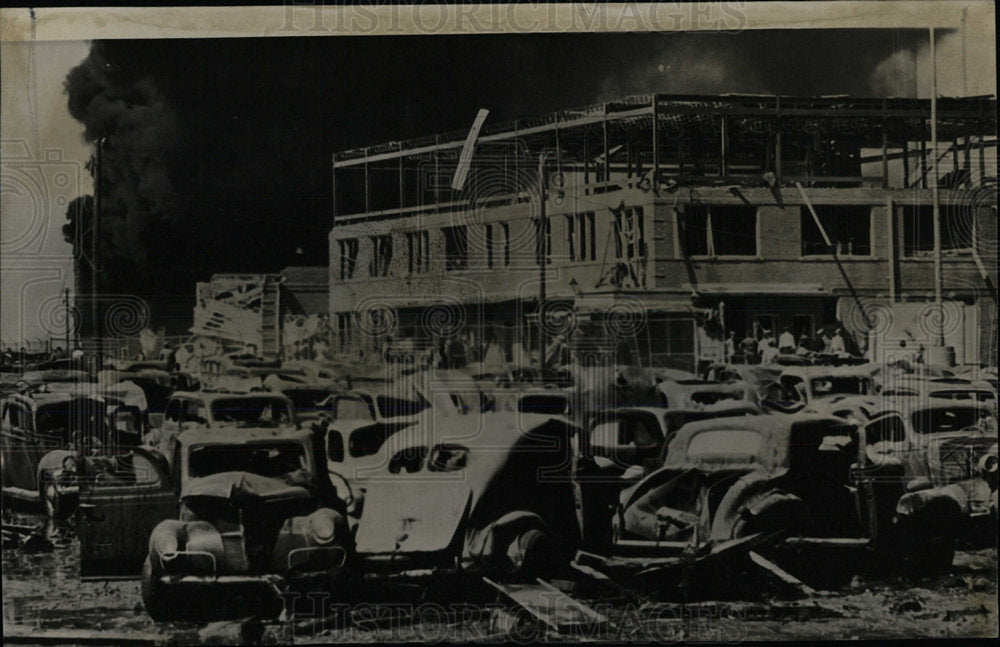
542	230
935	197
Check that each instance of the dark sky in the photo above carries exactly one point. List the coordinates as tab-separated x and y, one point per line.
218	151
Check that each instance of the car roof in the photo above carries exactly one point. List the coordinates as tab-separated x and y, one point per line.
905	406
496	430
210	396
809	372
242	436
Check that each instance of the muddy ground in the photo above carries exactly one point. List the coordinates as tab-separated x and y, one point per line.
45	602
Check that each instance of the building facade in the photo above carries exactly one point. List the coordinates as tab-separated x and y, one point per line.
670	221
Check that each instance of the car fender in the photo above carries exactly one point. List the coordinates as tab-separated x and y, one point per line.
751	494
937	505
489	542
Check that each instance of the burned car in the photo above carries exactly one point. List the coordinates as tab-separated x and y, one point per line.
686	394
483	495
942	454
362	420
243	516
639	435
220	410
43	430
729	477
813	387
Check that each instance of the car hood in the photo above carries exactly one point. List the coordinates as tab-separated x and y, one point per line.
243	487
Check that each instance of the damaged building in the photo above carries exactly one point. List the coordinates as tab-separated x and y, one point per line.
669	221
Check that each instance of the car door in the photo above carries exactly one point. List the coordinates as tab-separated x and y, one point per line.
117	513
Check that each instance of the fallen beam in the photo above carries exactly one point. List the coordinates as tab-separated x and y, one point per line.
21	635
781	574
553	607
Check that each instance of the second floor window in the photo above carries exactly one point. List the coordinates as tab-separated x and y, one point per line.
456	248
580	236
348	257
630	233
848	226
497	244
381	255
918	230
718	230
418	247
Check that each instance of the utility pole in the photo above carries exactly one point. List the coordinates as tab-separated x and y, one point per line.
542	231
936	198
95	233
68	315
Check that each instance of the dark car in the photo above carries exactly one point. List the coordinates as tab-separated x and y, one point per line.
244	516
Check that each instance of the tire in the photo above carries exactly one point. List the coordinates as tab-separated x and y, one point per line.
531	554
154	596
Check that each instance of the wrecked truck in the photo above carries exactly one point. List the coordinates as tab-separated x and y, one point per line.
237	517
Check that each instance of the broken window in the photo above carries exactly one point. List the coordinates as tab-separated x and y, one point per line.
343	329
918	231
848	226
580	236
456	248
548	240
734	230
381	255
418	249
718	230
348	257
630	233
497	244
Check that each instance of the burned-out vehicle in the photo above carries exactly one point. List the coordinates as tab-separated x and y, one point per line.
811	387
802	479
951	388
42	432
732	476
942	455
221	410
243	516
471	494
639	435
360	421
686	394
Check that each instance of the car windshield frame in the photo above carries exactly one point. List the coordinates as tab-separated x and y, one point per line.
837	385
221	414
250	452
927	422
726	454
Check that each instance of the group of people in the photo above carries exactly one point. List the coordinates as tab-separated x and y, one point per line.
760	346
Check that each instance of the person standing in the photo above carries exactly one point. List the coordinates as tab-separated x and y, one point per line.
786	342
769	351
749	348
729	347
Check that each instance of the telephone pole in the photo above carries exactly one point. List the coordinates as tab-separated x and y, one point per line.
542	260
68	315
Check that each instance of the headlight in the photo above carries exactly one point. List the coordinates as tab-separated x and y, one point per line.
988	464
165	543
69	463
324	529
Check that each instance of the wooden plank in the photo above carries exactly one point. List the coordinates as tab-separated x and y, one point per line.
781	574
22	635
552	606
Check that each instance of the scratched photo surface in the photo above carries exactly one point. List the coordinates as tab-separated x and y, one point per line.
496	323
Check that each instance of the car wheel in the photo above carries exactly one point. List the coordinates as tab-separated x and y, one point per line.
154	595
529	555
